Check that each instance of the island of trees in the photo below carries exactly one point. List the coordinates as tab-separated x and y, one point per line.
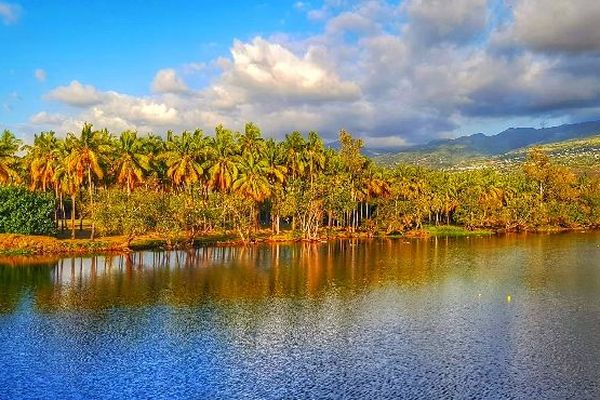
188	185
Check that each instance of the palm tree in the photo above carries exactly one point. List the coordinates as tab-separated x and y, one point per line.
9	145
294	153
222	163
252	181
251	141
450	190
131	163
374	185
276	170
153	146
314	154
276	174
184	158
85	159
66	183
43	158
353	164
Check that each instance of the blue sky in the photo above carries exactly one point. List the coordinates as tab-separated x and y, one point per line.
393	72
119	45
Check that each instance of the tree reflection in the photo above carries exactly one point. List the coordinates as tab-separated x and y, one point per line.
259	273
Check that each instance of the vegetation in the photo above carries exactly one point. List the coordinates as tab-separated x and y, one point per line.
455	231
191	185
579	154
25	212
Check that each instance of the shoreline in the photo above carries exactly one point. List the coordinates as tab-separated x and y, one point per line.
31	245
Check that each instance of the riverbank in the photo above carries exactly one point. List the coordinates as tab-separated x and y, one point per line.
13	244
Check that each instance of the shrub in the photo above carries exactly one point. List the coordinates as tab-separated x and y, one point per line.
131	215
26	212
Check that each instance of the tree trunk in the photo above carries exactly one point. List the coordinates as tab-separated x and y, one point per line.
81	212
62	211
91	193
275	223
73	216
56	209
256	215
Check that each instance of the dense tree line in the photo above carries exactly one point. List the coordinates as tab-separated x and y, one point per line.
192	183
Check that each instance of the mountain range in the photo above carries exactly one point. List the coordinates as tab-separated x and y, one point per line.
447	153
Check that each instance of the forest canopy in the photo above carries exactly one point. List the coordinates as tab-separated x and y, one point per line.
190	183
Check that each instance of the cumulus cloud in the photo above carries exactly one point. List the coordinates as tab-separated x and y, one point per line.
167	81
9	13
558	25
116	111
261	69
40	74
394	73
139	111
76	94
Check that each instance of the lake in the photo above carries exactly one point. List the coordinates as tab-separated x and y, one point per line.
515	316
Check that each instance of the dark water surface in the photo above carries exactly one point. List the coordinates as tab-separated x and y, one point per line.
500	317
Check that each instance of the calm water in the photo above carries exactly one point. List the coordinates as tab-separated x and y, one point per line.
505	317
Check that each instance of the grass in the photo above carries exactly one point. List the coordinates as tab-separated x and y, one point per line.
13	244
456	231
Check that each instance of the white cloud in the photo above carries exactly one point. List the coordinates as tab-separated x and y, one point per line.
76	94
9	13
46	118
262	69
167	81
40	74
136	110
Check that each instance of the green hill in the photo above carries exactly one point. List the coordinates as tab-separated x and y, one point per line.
575	144
576	153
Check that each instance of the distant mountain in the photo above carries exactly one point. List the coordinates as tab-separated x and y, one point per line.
450	152
580	153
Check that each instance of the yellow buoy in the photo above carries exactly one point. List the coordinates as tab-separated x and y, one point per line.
508	298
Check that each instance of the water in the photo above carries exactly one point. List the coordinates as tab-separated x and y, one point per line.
500	317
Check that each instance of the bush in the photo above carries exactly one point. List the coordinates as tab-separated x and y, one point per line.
26	212
170	214
131	215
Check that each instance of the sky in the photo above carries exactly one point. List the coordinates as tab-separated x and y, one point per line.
395	73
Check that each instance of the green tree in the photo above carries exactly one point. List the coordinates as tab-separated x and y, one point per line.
9	145
223	168
132	162
84	162
184	157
